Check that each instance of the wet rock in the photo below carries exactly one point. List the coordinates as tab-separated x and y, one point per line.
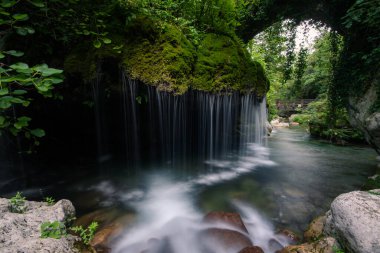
354	219
102	240
225	238
252	249
102	216
290	235
233	219
21	232
315	229
325	245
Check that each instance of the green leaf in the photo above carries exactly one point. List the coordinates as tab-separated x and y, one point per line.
22	122
14	53
21	31
38	132
19	66
4	91
7	3
2	12
19	92
20	17
5	102
107	41
97	44
37	3
51	71
30	30
2	120
1	55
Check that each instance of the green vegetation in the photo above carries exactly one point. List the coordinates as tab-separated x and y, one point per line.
179	45
49	200
87	234
55	229
17	204
18	80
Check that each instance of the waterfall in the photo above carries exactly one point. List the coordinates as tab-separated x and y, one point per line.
98	95
196	125
130	120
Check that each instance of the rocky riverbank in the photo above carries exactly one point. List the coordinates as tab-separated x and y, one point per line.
21	232
352	225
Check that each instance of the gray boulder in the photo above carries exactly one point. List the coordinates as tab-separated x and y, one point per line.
354	219
21	232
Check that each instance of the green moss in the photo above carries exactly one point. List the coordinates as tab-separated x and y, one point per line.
224	65
159	54
164	58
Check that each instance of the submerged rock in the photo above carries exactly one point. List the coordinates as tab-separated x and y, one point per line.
292	237
252	249
315	229
354	219
232	219
225	239
20	232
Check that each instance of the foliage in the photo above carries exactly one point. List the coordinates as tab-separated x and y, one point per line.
19	81
360	58
337	249
372	183
17	204
319	123
55	229
301	118
87	234
49	200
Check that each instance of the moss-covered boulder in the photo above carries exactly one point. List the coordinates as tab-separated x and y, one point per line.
223	65
159	54
162	57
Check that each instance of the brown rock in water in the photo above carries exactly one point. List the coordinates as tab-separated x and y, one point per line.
226	238
293	237
103	237
233	219
315	229
252	249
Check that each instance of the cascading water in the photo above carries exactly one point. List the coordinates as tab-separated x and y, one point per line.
224	132
194	125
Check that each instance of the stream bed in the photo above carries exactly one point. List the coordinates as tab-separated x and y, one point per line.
284	183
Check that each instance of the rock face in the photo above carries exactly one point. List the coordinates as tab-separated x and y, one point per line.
21	232
354	220
364	116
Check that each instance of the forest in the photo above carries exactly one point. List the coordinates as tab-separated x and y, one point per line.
189	125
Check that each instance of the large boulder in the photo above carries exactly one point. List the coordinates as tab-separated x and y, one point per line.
21	232
354	220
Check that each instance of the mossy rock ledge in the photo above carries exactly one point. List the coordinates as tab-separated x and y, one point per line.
159	54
